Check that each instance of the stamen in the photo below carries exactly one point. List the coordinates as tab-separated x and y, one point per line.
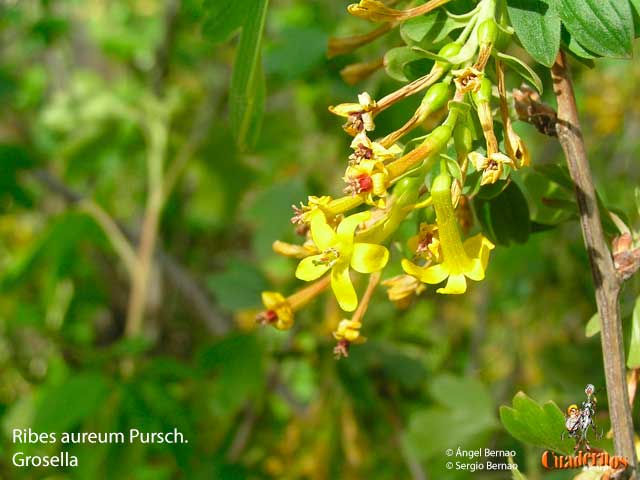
329	257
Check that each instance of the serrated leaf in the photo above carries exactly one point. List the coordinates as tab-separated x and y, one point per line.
603	26
538	28
633	359
223	18
541	426
246	96
396	59
593	325
522	69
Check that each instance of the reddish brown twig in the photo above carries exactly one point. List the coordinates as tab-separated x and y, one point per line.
606	281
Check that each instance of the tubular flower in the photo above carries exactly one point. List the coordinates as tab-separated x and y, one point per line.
427	243
490	167
303	212
278	311
369	178
339	252
402	288
365	149
460	260
359	115
468	79
349	330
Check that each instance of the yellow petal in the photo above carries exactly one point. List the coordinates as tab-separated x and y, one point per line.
308	270
476	272
345	109
456	285
348	226
368	257
479	247
478	160
322	234
433	274
272	300
343	288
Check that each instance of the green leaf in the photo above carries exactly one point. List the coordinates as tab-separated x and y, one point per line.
396	59
452	422
430	30
538	28
239	286
577	50
223	18
505	217
538	425
246	97
522	69
633	359
593	325
65	406
603	26
237	361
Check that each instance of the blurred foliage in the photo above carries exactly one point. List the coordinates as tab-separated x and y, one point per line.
77	82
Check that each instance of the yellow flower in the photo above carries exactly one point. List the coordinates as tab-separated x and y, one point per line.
402	288
349	330
338	253
460	260
368	178
303	212
359	115
278	311
365	149
294	251
491	167
467	79
427	242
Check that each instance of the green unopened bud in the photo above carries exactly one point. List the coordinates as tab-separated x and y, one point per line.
487	32
441	186
483	95
448	51
406	191
436	97
463	137
439	137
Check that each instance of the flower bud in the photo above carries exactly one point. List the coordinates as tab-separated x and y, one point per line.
463	137
406	191
487	32
441	187
436	97
439	137
483	95
448	51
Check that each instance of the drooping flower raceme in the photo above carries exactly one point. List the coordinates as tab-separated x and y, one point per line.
460	260
339	253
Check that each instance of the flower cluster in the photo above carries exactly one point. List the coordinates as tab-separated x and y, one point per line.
395	180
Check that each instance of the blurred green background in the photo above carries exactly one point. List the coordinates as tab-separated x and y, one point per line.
83	85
